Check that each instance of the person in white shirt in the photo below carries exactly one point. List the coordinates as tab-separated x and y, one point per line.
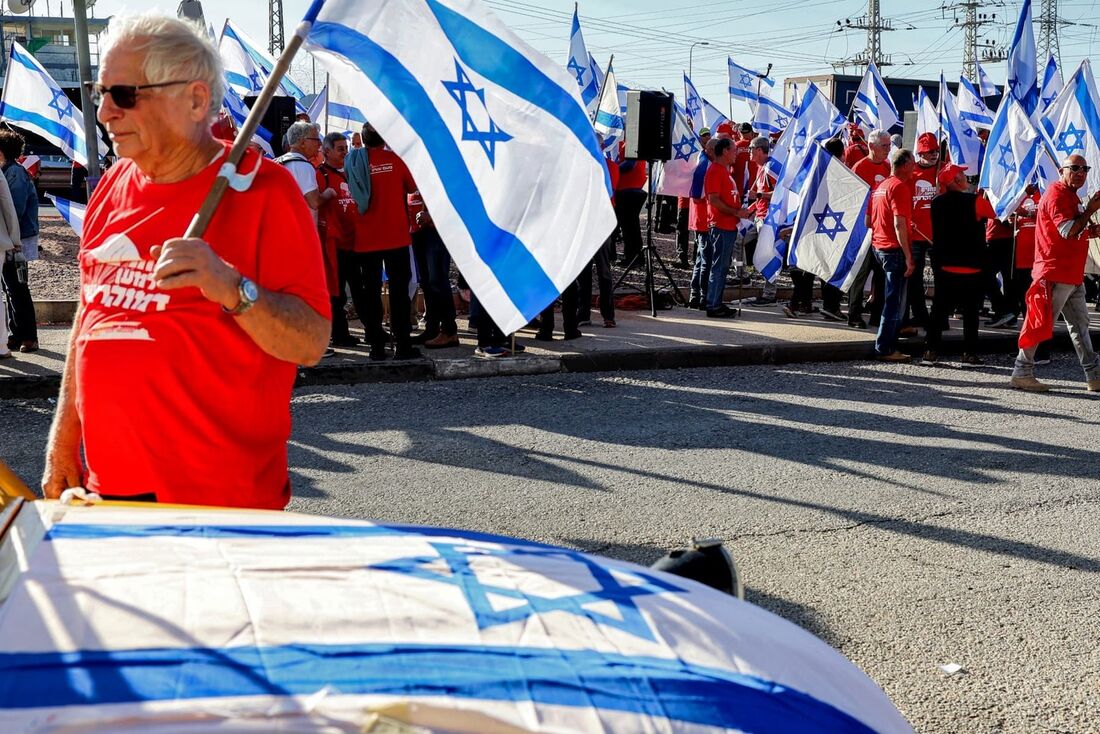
304	141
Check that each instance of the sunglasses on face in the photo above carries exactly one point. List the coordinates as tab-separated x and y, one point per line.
123	95
1076	168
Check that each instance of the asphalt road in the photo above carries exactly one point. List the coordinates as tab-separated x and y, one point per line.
909	516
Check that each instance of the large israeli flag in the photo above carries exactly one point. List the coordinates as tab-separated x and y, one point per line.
580	66
693	105
33	101
676	176
1052	83
873	106
610	120
769	116
712	116
128	619
248	66
71	211
238	112
1023	68
972	108
1011	157
962	141
928	117
495	134
746	84
1071	124
342	115
830	238
985	83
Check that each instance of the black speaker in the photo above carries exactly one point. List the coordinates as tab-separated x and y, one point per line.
648	125
280	116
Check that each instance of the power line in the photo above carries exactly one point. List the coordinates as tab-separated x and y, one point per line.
874	24
971	24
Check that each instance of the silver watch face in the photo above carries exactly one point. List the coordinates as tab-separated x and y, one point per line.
249	290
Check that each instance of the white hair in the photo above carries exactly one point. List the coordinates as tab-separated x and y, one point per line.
300	130
878	135
173	50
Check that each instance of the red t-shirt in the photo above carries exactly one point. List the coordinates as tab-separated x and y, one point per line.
1056	258
1025	231
762	186
385	226
744	170
995	229
173	396
718	181
335	221
873	173
854	153
632	175
892	198
698	215
923	184
613	172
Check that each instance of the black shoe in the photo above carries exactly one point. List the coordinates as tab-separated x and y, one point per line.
569	335
972	359
858	324
930	358
346	341
424	336
761	301
542	336
379	353
831	315
407	353
790	312
694	303
722	312
13	343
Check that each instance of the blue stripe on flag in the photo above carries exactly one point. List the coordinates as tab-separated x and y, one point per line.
50	127
698	177
859	232
520	275
648	686
238	80
345	112
1088	107
608	120
884	93
501	64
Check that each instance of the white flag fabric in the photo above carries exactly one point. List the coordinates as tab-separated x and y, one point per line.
580	66
712	116
962	141
494	133
238	112
1011	157
318	109
1052	83
204	620
873	106
344	116
830	238
1023	67
972	108
769	116
744	83
693	105
71	211
928	117
610	120
985	83
1071	124
676	176
33	101
248	65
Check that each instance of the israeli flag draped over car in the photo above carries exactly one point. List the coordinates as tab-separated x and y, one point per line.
115	618
494	133
33	101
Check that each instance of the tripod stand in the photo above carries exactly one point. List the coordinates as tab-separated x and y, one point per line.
647	255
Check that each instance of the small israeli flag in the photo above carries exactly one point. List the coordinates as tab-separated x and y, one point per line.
610	120
769	116
873	106
676	176
972	108
1052	83
337	115
1011	157
33	101
928	117
248	66
495	135
830	238
744	83
318	109
693	105
985	84
1071	124
580	65
712	116
962	141
71	211
1023	68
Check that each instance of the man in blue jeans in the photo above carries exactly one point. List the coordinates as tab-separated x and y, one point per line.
890	217
725	212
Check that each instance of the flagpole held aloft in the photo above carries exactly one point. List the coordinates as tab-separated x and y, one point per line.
244	136
599	100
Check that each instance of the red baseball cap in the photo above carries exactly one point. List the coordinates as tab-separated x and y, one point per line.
726	128
948	173
926	143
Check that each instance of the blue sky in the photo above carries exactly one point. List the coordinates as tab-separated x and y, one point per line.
651	39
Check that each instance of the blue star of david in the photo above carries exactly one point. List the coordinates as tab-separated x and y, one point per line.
693	106
770	218
575	67
838	222
1078	137
61	104
461	575
746	79
799	141
968	132
1006	159
781	121
254	80
685	148
1047	101
461	90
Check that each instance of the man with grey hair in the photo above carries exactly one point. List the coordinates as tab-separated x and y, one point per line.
891	214
873	169
184	351
304	141
1062	230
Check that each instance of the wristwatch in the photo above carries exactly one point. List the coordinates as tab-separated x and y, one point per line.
249	293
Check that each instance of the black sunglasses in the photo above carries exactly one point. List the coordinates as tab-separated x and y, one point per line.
1076	168
124	95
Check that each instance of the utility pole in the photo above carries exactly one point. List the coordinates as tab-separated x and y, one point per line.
1049	21
971	24
275	27
874	24
87	109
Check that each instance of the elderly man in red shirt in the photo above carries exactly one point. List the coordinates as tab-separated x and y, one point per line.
1062	229
873	169
184	351
891	215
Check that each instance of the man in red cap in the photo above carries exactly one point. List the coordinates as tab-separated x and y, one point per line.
857	148
1062	229
958	238
924	190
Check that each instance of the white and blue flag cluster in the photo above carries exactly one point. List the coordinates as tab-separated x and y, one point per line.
248	66
32	100
928	117
693	105
962	140
746	84
972	108
1011	157
495	135
1071	123
680	175
334	111
985	84
610	119
1052	83
873	106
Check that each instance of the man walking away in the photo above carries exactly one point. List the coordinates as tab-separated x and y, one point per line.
891	211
